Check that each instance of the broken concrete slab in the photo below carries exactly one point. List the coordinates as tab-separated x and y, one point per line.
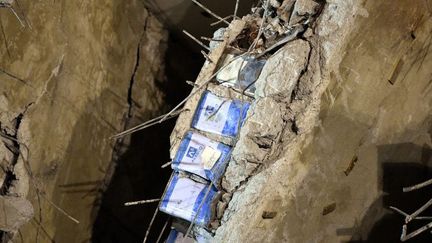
284	11
302	10
274	78
262	127
14	212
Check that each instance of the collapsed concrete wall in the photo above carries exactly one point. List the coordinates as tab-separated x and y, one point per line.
308	164
366	85
74	75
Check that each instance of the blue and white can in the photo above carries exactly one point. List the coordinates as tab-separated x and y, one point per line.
201	156
178	237
219	115
184	196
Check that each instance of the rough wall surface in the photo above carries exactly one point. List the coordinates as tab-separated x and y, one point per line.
366	89
71	78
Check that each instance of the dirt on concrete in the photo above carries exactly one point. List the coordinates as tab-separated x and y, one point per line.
359	113
75	74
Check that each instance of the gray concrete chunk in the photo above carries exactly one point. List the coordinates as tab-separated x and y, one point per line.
282	70
262	127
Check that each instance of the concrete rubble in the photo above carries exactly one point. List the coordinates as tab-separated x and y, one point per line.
267	118
339	95
282	183
293	56
261	130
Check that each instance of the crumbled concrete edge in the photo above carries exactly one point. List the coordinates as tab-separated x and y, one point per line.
285	109
300	114
185	119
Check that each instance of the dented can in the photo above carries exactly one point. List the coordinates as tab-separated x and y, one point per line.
201	156
219	115
183	198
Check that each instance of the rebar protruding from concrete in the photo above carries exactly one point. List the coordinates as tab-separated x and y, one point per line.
418	186
406	215
173	110
146	124
166	164
60	209
151	224
405	237
142	202
418	211
219	21
196	40
236	9
162	231
206	56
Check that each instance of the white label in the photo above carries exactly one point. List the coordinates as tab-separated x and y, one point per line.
214	115
231	71
209	157
183	198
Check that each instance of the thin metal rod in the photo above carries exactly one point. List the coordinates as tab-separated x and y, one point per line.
16	15
405	214
155	213
151	224
166	164
144	125
162	231
417	186
198	210
60	209
200	87
24	15
206	56
196	40
211	39
142	202
219	21
285	40
418	211
261	29
405	237
210	12
236	8
399	211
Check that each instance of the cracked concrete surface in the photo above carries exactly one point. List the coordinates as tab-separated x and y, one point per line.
344	107
356	82
67	81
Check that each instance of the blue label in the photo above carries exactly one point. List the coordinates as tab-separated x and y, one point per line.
192	152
